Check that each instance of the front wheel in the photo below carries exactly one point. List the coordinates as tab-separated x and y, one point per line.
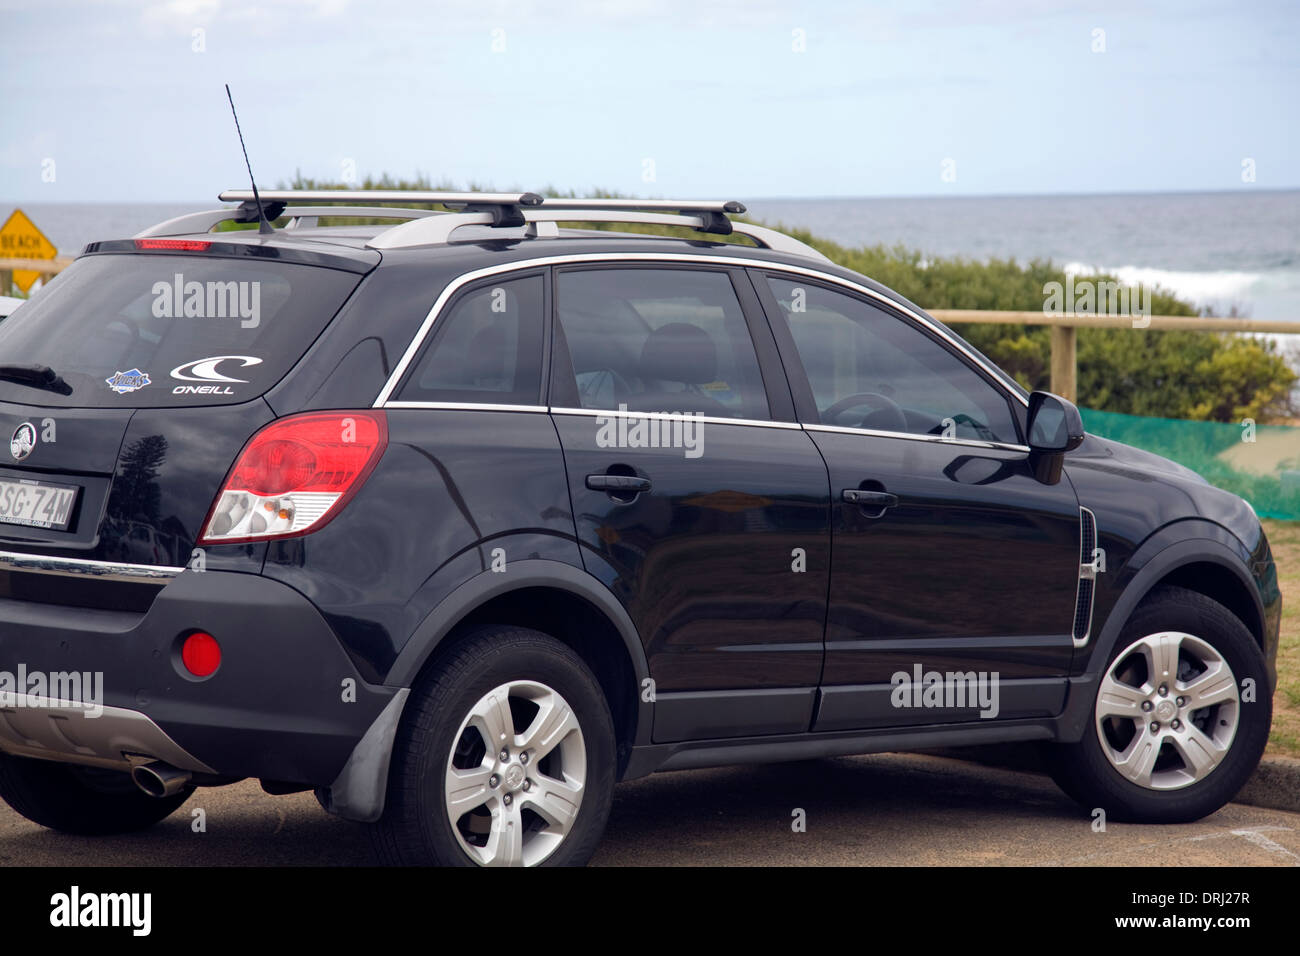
505	758
1180	719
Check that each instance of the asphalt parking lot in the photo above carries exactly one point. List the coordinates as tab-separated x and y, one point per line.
887	809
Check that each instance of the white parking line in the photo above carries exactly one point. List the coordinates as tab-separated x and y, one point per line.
1256	836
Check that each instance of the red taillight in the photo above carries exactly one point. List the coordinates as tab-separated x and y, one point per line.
201	654
183	245
274	466
295	474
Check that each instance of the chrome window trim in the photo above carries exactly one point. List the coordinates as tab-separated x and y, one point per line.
673	416
938	439
710	419
468	406
523	265
84	567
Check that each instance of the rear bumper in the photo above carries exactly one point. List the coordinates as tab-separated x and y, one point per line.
286	703
62	729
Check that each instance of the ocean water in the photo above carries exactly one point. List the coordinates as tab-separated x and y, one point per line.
1222	251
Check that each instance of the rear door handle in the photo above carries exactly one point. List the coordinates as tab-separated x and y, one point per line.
613	483
870	499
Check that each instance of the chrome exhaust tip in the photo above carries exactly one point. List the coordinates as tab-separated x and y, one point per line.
159	779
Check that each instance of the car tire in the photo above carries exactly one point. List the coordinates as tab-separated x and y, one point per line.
452	800
88	801
1144	756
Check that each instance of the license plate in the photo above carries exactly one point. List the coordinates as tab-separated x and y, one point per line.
37	504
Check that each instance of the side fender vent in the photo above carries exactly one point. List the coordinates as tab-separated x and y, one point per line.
1089	565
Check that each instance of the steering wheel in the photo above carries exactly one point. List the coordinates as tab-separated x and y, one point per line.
868	398
961	418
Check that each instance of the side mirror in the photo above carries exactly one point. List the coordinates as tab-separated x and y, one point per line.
1055	427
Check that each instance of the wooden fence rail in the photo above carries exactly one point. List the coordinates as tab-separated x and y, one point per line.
1065	326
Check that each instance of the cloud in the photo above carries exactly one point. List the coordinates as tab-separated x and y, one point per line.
30	151
180	13
184	14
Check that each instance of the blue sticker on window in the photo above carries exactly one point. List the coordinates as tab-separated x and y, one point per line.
128	381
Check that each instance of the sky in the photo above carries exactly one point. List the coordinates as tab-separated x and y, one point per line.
120	100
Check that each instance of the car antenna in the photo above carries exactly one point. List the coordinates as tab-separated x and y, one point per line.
263	226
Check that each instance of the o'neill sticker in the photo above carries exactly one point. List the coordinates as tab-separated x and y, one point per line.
205	370
128	381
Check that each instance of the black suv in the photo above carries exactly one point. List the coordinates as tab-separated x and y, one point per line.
460	520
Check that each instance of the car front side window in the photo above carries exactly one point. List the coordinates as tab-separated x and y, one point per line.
872	370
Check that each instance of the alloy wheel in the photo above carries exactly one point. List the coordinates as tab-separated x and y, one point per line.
1167	711
515	778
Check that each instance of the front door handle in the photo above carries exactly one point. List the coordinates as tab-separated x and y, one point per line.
870	499
627	484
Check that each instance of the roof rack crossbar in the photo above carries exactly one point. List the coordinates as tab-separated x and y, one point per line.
650	205
506	209
382	196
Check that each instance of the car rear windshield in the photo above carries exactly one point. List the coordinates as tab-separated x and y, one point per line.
141	331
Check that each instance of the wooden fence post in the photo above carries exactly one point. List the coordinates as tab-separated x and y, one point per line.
1065	372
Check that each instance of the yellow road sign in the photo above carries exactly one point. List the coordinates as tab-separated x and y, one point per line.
20	239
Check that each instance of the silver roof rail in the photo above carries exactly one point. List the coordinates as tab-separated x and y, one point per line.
778	241
438	229
536	215
194	222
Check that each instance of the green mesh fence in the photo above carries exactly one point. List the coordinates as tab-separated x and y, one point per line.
1265	471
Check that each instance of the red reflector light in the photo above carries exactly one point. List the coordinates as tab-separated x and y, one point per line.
185	245
295	475
201	654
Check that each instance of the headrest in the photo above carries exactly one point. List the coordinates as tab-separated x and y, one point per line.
679	352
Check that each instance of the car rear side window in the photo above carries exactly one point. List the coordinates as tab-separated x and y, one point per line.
141	331
870	369
659	340
486	349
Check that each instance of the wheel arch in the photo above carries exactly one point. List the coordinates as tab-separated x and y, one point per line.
1210	566
1218	581
535	593
1213	566
564	601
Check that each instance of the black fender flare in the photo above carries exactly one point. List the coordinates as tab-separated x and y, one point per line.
360	790
530	572
1222	549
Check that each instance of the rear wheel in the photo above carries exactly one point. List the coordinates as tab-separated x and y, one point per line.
505	758
1173	737
85	800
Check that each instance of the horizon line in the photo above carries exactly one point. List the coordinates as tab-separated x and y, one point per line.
789	198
